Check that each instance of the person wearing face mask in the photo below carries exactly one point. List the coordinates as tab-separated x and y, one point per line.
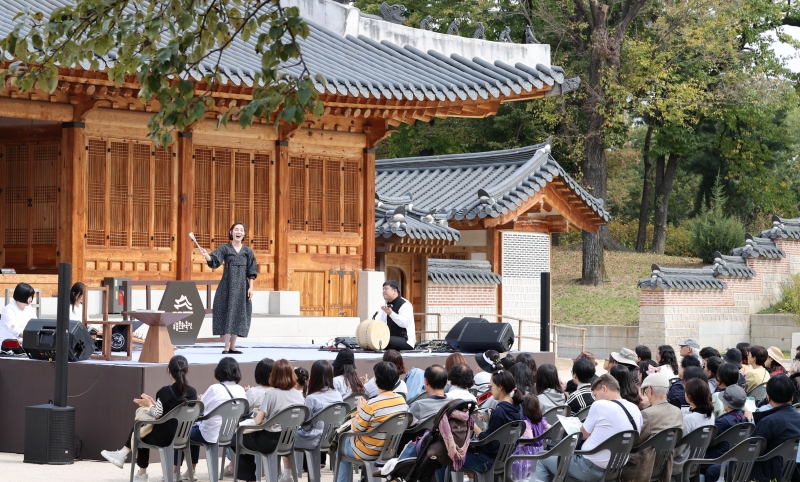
18	313
233	306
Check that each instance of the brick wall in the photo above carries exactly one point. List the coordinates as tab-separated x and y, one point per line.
454	302
718	318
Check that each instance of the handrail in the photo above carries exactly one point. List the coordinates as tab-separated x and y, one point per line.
438	325
104	290
554	337
128	285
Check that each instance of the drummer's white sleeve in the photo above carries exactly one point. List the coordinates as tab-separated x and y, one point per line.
405	318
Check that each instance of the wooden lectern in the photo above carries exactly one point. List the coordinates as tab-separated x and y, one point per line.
157	346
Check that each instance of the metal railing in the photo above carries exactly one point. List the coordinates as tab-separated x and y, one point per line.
127	288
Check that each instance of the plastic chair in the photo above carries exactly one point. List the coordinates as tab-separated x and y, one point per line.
185	415
698	441
549	437
663	443
230	411
788	451
564	449
734	435
759	392
620	446
331	417
744	455
507	436
290	419
393	428
583	413
796	406
352	399
552	415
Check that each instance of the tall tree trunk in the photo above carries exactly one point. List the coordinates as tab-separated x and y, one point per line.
665	176
644	209
594	179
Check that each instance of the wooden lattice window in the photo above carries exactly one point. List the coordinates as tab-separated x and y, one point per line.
129	194
17	185
232	186
325	195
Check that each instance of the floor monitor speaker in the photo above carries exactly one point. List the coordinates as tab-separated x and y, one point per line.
39	340
455	332
479	337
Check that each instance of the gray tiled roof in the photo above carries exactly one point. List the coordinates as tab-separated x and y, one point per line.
682	279
400	219
782	228
756	247
731	266
469	186
360	67
461	272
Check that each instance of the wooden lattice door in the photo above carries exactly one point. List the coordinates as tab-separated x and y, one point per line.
311	285
30	189
342	288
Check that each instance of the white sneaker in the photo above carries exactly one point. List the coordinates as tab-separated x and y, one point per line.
116	457
185	476
175	477
140	478
286	476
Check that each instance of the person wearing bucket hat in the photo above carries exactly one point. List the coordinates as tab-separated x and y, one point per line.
734	356
625	356
733	399
345	377
774	361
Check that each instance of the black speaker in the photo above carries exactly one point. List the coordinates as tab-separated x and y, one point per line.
39	340
455	332
49	435
479	337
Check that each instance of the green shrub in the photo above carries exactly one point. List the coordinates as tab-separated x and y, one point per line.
679	241
790	296
712	230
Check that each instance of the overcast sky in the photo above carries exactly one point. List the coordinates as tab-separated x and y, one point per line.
788	52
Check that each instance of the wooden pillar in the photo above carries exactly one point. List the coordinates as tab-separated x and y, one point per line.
72	198
282	213
494	253
185	206
368	223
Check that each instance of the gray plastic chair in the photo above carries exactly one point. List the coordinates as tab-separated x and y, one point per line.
507	436
663	443
393	428
733	436
231	412
185	414
552	414
421	396
620	446
788	452
583	413
564	449
352	399
331	418
698	441
290	419
744	455
759	392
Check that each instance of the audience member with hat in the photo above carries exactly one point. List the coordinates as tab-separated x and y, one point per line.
488	362
345	377
732	399
690	347
625	356
734	356
774	363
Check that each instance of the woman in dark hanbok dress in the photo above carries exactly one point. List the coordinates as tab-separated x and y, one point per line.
233	307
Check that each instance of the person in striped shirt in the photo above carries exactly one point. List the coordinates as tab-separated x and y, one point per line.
369	415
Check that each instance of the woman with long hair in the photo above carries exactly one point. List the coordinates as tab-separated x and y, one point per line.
701	413
233	306
321	395
548	387
167	398
535	425
392	356
76	295
627	387
345	378
528	359
522	375
745	349
666	359
758	373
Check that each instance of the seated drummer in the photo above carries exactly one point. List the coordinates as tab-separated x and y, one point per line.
399	315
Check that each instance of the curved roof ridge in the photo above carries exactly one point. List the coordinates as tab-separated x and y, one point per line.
493	158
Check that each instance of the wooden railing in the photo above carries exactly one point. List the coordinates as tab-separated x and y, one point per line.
554	337
104	291
423	322
127	288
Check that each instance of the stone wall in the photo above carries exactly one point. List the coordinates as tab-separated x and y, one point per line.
768	330
600	339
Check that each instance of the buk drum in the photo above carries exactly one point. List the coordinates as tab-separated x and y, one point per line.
372	335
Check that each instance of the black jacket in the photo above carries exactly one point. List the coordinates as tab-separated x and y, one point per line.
502	414
776	426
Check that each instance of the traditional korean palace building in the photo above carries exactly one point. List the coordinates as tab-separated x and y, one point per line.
81	182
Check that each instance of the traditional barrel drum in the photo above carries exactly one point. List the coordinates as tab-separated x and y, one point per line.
372	335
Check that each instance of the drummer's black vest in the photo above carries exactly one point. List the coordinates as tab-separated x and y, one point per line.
394	329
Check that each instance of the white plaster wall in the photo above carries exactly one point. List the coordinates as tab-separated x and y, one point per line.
293	329
471	237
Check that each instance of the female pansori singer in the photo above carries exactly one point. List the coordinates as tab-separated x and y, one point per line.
233	307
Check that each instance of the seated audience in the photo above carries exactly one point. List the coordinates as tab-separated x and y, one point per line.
528	359
691	366
701	413
734	356
608	416
667	360
321	394
522	375
76	301
548	388
16	315
659	415
642	353
777	425
461	380
167	398
255	395
395	357
454	359
507	361
627	387
284	394
710	367
535	425
369	415
732	399
727	376
645	367
345	377
486	366
585	355
435	380
774	363
690	347
758	373
228	375
625	356
795	368
744	349
583	372
707	353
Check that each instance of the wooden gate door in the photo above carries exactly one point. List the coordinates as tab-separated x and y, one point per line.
311	285
342	286
30	192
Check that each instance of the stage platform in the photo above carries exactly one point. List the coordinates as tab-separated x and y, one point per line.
102	392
